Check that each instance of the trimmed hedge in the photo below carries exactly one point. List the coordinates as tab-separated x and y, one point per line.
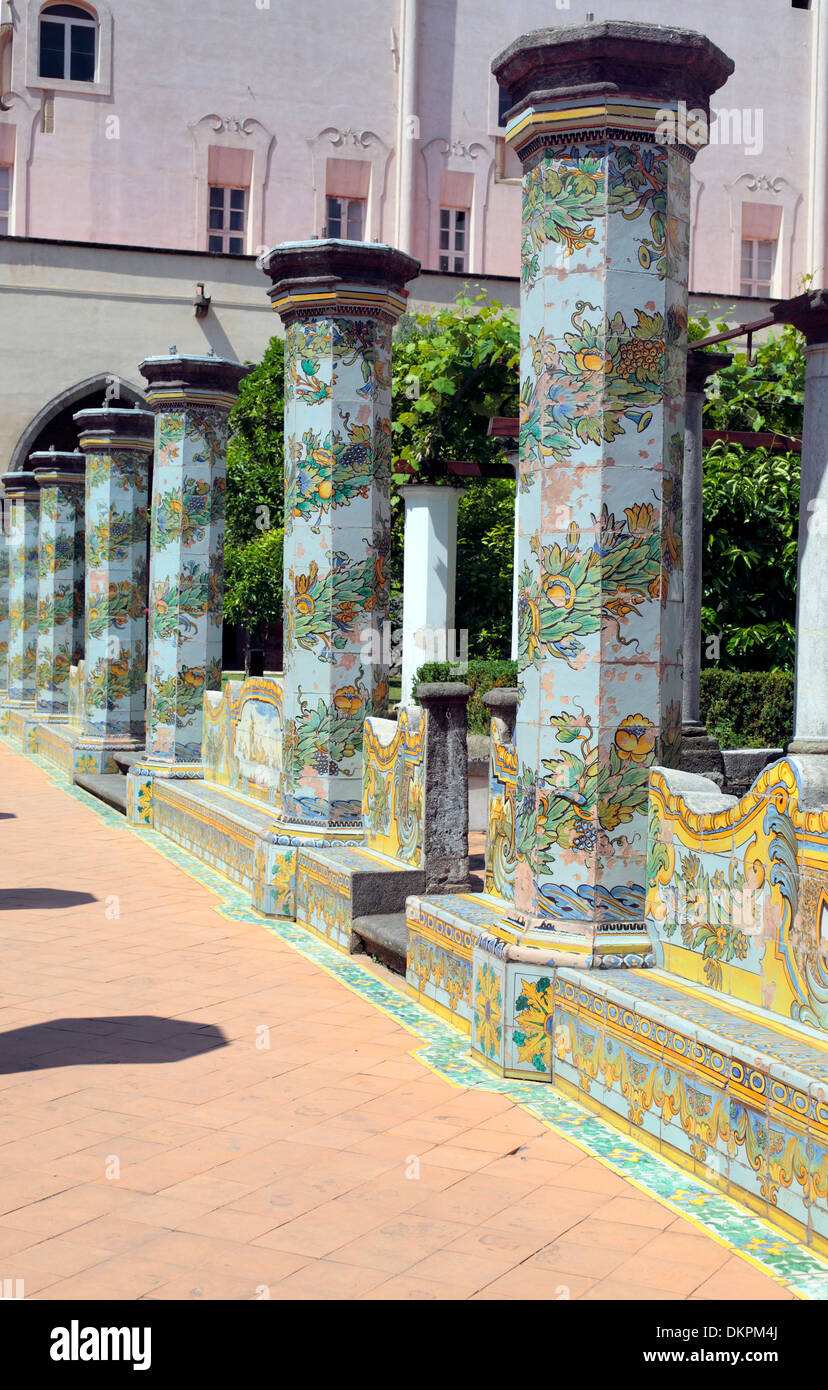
748	709
481	675
743	709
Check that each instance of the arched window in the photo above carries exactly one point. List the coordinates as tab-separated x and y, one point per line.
68	43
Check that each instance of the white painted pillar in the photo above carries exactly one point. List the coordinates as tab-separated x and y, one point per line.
811	680
513	650
809	313
818	182
429	573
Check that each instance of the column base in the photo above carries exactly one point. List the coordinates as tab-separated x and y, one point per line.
700	753
807	747
459	944
14	716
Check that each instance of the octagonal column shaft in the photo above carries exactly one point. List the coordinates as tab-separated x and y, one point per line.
192	398
605	225
338	301
23	504
60	635
118	446
5	511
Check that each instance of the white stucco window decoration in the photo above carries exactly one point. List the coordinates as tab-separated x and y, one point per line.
349	166
232	153
68	48
458	175
16	139
762	210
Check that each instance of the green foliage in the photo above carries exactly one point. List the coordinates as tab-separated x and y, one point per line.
751	507
255	455
253	581
480	675
751	513
452	371
748	709
766	394
485	542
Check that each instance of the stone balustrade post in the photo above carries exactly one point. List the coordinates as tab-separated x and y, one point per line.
446	798
502	704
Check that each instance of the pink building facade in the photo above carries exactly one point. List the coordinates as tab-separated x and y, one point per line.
203	126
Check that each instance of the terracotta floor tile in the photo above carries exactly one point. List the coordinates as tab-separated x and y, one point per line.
533	1281
399	1244
736	1279
332	1164
404	1287
328	1279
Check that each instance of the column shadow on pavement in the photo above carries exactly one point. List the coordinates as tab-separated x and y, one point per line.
27	899
117	1041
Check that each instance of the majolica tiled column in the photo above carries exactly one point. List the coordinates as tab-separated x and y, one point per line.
4	604
60	635
603	325
192	398
700	752
23	504
118	446
338	301
809	313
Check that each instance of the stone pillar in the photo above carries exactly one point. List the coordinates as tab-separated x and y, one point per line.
118	447
605	227
338	301
60	636
446	799
192	398
23	511
809	313
4	600
699	752
502	704
429	574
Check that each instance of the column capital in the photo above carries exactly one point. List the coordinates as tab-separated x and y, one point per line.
808	312
115	429
181	379
315	279
434	693
20	484
702	364
610	78
55	466
421	492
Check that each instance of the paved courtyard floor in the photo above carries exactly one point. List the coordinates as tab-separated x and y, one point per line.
197	1103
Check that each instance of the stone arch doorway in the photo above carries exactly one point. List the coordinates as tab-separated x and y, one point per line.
53	425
